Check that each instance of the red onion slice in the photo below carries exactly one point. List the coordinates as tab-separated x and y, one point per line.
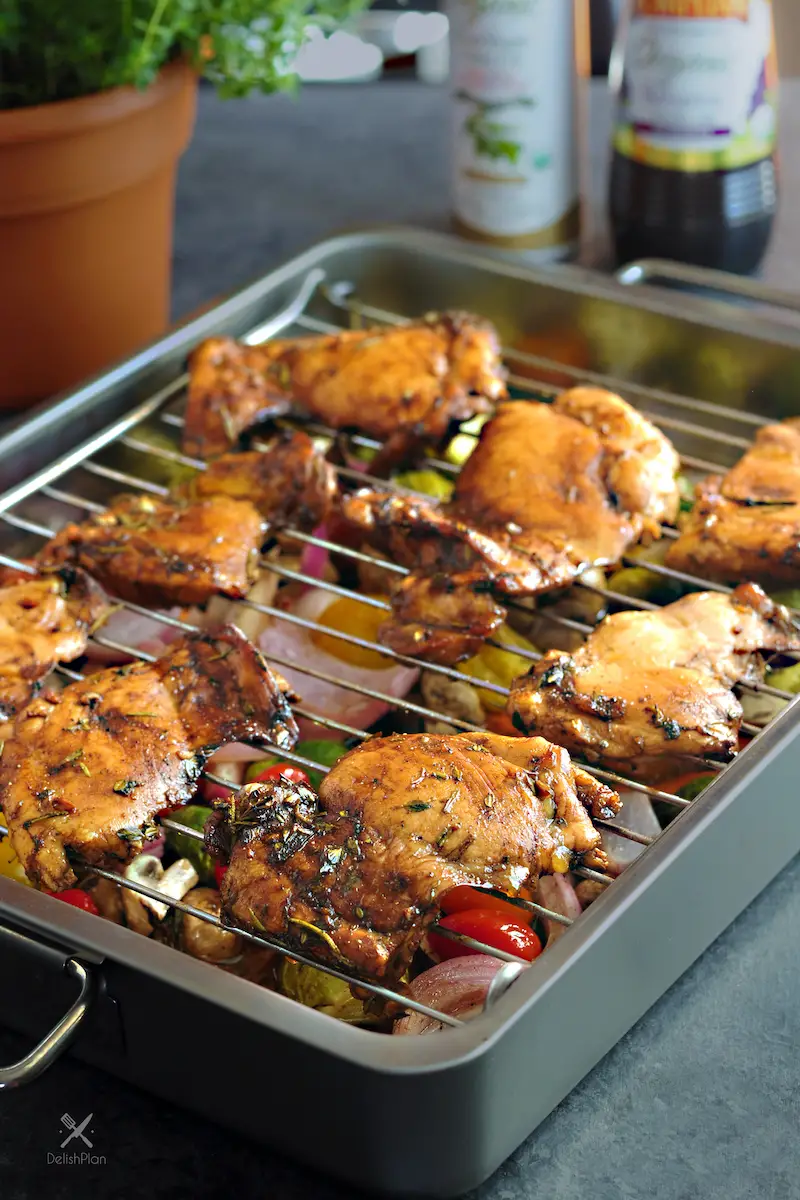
314	559
557	893
294	644
456	987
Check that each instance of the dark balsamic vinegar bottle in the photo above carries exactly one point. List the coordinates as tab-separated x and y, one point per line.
694	173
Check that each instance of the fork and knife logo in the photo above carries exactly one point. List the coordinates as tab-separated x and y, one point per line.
76	1130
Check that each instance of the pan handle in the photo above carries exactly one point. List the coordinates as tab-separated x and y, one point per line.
656	270
59	1037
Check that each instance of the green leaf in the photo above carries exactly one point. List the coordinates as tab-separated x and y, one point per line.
52	51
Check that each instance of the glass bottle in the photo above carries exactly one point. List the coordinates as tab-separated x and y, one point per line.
514	117
694	174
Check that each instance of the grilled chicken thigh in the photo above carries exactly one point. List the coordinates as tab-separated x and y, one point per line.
746	525
404	384
290	482
647	684
354	877
548	491
164	552
584	476
86	770
44	620
444	622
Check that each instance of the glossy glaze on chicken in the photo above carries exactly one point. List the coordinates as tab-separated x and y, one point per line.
354	876
549	491
45	619
746	524
649	684
403	385
289	481
163	552
84	771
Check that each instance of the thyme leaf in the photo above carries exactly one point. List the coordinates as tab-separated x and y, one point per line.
124	787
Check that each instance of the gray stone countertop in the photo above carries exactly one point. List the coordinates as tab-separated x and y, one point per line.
701	1098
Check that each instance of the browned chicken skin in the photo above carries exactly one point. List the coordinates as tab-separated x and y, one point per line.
549	490
86	770
289	482
444	621
586	475
354	877
648	684
160	552
746	525
405	384
44	620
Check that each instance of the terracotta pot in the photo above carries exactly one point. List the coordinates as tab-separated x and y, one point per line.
86	208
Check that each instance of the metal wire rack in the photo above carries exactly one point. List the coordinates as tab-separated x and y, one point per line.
94	471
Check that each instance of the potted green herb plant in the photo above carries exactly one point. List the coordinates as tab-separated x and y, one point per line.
97	102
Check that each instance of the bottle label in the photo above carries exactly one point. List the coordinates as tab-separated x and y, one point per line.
513	112
699	86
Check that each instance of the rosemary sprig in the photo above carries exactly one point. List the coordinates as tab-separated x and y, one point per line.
52	816
321	933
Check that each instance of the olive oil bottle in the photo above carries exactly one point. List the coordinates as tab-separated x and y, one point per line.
513	78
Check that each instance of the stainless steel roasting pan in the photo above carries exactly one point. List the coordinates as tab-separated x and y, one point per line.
433	1115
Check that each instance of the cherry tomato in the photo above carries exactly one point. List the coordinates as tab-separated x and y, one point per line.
282	771
464	898
213	792
219	874
492	928
78	899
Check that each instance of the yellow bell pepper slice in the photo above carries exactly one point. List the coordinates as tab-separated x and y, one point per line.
10	866
499	666
359	620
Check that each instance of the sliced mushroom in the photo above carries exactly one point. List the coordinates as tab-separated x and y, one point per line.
203	940
175	882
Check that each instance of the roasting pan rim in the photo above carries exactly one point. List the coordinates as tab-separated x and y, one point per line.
455	1047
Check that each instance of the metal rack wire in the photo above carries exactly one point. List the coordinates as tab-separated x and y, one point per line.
300	321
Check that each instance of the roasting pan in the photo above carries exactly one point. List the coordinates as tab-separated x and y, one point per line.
434	1115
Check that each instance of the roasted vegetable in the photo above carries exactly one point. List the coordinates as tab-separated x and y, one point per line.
78	898
10	866
282	770
201	939
790	597
643	584
688	786
319	750
173	883
465	442
185	846
429	482
786	678
498	666
463	898
351	616
686	488
489	927
323	992
165	470
452	698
